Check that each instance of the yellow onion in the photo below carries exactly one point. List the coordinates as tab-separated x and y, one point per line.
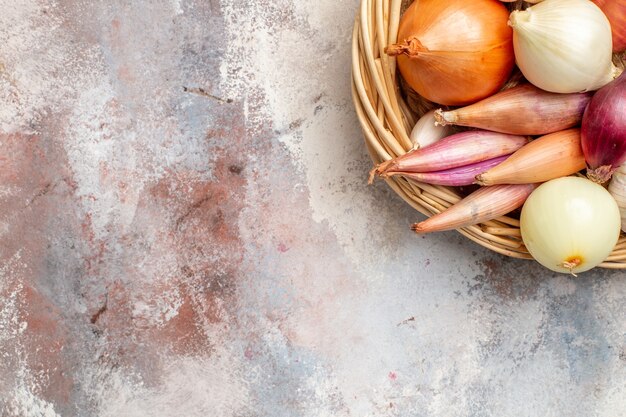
484	204
570	224
453	151
454	52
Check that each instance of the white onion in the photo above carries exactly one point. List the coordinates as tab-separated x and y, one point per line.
570	224
563	46
426	131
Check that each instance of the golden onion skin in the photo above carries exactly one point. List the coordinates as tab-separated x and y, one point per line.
455	52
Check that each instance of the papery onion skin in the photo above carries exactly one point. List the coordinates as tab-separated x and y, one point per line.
563	46
615	11
603	132
455	52
551	156
570	224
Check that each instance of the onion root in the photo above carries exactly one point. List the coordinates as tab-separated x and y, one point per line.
570	264
601	174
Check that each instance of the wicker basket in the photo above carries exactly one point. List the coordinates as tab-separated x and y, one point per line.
387	113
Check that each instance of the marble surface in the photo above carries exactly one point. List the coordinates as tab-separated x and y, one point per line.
186	230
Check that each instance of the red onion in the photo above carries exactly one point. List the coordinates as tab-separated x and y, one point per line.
603	136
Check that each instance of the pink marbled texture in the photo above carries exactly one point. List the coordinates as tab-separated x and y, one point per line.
185	229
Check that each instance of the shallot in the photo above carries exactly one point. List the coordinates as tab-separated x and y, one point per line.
451	152
454	176
548	157
426	131
521	110
486	203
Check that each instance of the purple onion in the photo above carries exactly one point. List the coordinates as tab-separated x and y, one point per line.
459	176
603	133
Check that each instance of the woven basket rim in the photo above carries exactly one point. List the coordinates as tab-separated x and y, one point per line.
386	120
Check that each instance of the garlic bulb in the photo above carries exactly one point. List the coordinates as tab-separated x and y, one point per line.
617	188
426	131
563	46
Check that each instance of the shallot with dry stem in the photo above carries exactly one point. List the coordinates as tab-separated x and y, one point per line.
521	110
454	151
455	177
551	156
487	203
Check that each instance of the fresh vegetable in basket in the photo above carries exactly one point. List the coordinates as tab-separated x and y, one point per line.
604	131
521	110
456	177
454	52
563	46
570	224
453	151
551	156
